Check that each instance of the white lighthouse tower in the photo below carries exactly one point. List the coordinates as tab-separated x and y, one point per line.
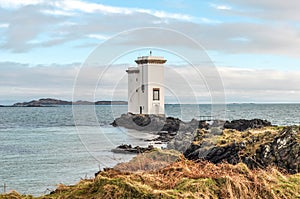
146	86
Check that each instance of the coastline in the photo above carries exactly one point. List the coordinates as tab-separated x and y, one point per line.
265	135
183	177
62	112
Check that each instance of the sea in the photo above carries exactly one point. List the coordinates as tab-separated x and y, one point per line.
41	147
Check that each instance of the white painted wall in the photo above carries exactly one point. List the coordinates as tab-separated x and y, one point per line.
133	89
156	80
151	76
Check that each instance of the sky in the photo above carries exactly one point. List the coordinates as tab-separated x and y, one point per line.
253	45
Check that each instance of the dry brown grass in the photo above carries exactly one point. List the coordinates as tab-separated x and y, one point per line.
156	159
186	178
182	179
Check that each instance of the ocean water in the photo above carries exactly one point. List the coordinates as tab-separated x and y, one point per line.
44	146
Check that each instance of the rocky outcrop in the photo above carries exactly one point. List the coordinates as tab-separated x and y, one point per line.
188	141
181	142
171	124
281	149
218	141
165	128
140	122
242	124
283	152
155	123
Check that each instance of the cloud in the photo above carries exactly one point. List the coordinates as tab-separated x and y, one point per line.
58	12
12	4
280	39
254	27
43	22
272	10
90	7
40	24
252	85
26	24
162	14
4	25
98	36
221	7
64	7
20	82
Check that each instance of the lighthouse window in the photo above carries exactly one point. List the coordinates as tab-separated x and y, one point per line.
155	93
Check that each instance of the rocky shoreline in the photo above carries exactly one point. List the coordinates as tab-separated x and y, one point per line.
256	143
203	159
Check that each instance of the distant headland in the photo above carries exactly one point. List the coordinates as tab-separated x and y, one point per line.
48	102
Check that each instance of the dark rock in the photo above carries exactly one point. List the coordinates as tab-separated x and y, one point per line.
114	123
203	125
218	123
171	124
242	124
156	123
282	151
125	148
141	120
182	141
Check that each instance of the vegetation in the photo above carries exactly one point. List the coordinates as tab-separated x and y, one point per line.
177	177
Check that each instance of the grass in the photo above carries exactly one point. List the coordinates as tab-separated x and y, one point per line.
177	177
167	174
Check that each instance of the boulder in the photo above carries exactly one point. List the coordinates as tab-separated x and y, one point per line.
145	122
125	148
140	122
171	124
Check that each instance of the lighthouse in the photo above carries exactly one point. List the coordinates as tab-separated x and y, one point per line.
146	86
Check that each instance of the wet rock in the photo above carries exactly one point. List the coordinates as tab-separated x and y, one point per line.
242	124
141	120
171	124
203	125
125	148
156	123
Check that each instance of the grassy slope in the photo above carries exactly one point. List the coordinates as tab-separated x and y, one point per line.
166	174
182	179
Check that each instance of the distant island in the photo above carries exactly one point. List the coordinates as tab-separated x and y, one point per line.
48	102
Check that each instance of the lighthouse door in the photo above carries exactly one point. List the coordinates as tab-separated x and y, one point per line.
156	108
